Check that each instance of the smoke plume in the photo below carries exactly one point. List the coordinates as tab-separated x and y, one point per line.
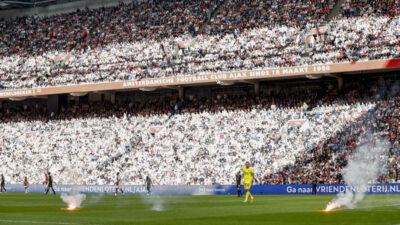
154	202
73	199
93	199
366	164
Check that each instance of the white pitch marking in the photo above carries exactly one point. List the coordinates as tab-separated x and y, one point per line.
370	207
36	222
41	222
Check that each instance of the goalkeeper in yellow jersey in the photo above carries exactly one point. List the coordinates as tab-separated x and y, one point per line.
248	176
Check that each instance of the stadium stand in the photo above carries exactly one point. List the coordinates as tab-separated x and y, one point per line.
365	30
290	138
204	140
88	46
325	161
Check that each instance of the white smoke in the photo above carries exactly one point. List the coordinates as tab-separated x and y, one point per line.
93	199
73	199
154	202
366	164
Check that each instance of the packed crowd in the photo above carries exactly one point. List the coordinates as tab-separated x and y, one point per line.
239	15
198	141
377	128
158	38
365	30
83	29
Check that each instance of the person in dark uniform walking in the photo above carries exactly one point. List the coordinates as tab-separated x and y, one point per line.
3	183
238	184
314	187
149	183
50	184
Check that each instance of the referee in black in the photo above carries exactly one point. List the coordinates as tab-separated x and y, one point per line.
238	183
149	183
314	187
50	185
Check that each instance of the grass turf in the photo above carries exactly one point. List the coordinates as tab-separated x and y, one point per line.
19	208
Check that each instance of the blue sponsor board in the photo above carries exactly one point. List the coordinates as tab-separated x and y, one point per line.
330	189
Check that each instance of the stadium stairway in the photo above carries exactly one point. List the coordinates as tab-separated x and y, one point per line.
337	8
213	14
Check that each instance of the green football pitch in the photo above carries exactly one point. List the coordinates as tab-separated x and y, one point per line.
19	208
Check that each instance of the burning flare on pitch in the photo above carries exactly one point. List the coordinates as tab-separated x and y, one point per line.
331	206
71	207
73	200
